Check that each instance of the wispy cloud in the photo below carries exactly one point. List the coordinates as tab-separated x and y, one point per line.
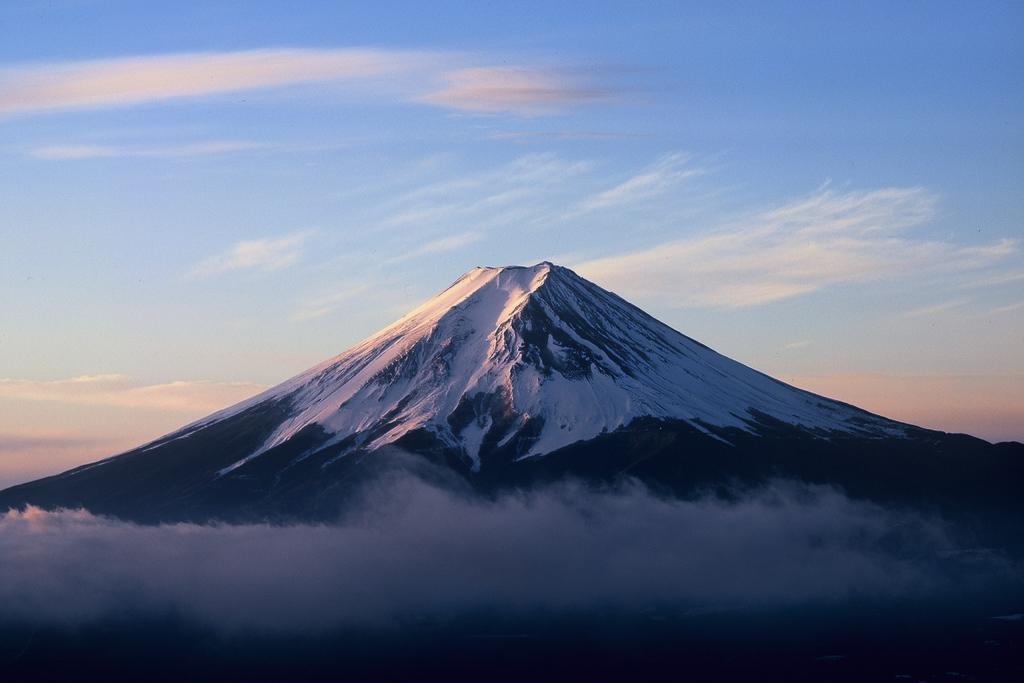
135	80
47	426
121	391
319	306
450	209
853	212
516	89
936	308
20	443
401	75
518	193
995	280
547	135
660	177
272	253
533	170
1000	310
827	238
207	148
439	245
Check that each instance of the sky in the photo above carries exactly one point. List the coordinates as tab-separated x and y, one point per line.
198	200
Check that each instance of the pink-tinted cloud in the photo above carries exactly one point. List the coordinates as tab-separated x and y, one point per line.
403	75
209	147
48	426
522	90
134	80
120	391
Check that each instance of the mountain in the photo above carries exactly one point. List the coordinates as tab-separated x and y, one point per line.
513	376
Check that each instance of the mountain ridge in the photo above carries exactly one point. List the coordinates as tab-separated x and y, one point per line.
512	375
482	352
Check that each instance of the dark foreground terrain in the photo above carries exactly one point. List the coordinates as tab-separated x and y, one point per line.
911	642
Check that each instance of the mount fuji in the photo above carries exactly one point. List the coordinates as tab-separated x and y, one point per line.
518	375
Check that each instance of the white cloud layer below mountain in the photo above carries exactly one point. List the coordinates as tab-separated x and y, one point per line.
414	550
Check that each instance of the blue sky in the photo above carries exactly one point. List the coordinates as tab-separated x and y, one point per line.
199	199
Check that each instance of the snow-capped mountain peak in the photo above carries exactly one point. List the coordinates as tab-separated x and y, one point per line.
510	379
530	359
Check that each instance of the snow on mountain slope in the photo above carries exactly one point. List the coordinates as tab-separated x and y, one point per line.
535	354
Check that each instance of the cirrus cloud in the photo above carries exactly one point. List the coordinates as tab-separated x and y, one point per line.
210	147
401	75
518	89
267	254
122	391
126	81
827	238
656	179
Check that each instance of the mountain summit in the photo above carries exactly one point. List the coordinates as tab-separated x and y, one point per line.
508	374
525	361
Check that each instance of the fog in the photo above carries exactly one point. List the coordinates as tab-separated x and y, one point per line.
415	550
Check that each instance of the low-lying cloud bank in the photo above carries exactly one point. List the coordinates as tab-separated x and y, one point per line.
415	550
